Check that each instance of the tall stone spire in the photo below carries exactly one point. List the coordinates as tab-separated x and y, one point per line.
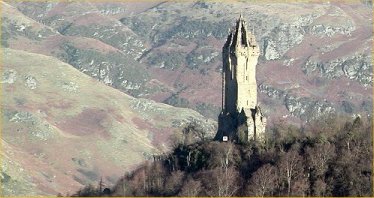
239	88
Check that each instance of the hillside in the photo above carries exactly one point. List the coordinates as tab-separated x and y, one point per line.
61	127
308	51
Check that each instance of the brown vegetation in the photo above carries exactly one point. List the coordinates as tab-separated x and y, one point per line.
88	122
331	157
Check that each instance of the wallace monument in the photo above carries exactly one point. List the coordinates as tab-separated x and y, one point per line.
241	119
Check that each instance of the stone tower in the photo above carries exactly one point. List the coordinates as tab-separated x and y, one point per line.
241	118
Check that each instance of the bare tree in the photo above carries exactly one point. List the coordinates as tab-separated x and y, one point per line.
223	177
193	132
319	188
317	159
136	184
173	183
156	177
225	182
191	188
263	181
222	154
319	156
290	167
176	139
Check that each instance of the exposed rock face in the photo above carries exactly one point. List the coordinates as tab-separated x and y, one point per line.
241	118
9	76
114	68
356	67
70	87
334	25
281	40
31	82
307	108
303	107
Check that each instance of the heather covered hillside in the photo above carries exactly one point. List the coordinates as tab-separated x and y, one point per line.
62	129
171	51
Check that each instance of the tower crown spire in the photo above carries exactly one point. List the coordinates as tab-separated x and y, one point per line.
240	36
240	32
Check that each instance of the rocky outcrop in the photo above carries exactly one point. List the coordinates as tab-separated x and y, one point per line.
338	22
202	56
31	82
9	76
307	108
114	69
272	92
280	40
302	107
114	35
357	67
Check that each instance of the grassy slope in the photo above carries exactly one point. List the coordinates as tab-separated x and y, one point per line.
68	125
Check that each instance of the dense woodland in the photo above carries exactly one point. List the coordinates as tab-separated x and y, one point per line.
329	157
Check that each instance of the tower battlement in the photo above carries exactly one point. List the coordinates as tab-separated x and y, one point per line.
239	88
240	38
